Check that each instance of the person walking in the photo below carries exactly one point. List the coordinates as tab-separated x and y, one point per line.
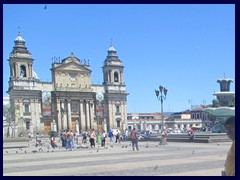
134	139
69	143
37	140
92	138
110	134
103	138
126	135
117	137
84	135
164	137
63	138
230	160
52	141
191	134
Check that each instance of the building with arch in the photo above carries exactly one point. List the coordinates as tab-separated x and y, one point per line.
69	101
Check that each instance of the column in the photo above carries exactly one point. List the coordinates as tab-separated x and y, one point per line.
77	127
12	71
31	127
36	115
125	112
124	126
91	114
27	71
69	114
122	78
59	117
64	121
109	76
87	114
30	70
54	125
82	114
112	76
17	70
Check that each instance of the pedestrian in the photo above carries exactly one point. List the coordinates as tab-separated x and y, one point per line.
117	136
110	134
147	135
69	143
230	160
164	137
121	137
126	135
52	141
84	134
76	137
103	138
92	138
63	138
191	134
134	139
37	140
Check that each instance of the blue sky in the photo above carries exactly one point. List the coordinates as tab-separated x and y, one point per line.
186	48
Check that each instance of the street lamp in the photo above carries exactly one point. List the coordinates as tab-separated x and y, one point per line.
161	97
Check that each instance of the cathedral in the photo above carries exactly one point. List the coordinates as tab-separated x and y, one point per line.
69	101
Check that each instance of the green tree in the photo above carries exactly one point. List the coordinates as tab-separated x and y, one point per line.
10	113
7	115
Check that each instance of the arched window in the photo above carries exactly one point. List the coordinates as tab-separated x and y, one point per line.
106	77
117	109
115	77
26	108
118	122
22	71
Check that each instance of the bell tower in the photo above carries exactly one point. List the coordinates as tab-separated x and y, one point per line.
115	97
20	61
25	93
113	68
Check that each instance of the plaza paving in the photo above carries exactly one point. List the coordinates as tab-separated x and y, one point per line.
174	159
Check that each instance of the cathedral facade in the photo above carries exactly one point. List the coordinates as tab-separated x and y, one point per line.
69	101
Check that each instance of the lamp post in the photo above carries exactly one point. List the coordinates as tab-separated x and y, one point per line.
161	97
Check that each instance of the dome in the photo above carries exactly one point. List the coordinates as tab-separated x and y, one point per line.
35	75
111	48
19	38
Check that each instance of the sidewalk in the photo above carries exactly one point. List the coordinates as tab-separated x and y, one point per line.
174	159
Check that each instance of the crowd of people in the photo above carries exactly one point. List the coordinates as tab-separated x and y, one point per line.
69	139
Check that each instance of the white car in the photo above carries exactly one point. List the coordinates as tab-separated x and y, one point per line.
115	131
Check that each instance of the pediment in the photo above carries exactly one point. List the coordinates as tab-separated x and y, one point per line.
72	66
